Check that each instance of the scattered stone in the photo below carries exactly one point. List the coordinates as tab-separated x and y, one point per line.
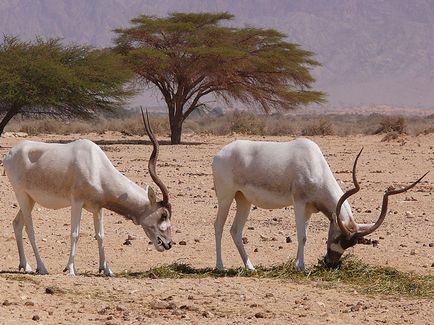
408	214
49	291
207	314
356	307
182	243
245	240
259	315
163	305
103	310
36	318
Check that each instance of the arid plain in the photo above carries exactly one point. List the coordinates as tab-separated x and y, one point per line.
405	242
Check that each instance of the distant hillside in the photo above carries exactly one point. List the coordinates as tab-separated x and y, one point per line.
372	51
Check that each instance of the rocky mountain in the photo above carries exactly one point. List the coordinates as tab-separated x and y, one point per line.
372	51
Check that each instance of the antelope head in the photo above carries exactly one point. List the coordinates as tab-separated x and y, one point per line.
345	234
156	221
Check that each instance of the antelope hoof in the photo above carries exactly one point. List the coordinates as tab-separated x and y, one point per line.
42	271
26	268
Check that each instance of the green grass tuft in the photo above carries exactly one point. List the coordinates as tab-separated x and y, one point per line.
363	277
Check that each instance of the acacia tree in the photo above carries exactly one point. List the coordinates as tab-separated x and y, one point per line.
46	77
188	56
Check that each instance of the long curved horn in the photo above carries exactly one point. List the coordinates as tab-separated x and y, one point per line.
345	196
383	212
153	159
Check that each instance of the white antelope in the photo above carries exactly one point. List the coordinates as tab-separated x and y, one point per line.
274	175
80	175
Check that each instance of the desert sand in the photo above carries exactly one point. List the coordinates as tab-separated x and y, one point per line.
404	244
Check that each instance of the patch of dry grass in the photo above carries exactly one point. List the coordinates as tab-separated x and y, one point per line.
365	278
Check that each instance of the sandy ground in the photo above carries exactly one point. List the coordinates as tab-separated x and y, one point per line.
404	240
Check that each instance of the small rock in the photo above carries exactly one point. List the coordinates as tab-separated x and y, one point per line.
6	303
255	250
356	307
182	242
432	265
49	291
29	303
269	295
245	240
288	239
413	252
431	244
408	214
127	242
280	247
375	243
264	238
251	228
259	315
103	310
197	240
36	318
207	314
131	237
120	308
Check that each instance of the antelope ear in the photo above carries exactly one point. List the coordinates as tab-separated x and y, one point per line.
151	196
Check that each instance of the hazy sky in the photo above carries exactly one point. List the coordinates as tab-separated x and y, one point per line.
372	52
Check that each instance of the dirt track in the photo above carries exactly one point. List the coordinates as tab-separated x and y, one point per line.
404	242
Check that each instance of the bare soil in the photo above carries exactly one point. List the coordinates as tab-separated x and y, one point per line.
404	244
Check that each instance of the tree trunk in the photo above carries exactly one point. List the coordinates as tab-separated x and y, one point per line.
9	115
176	132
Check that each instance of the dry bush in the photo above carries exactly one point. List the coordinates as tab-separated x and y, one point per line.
238	122
246	123
322	126
392	124
279	126
393	135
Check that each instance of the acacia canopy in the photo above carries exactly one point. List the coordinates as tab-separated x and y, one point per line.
45	76
189	55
